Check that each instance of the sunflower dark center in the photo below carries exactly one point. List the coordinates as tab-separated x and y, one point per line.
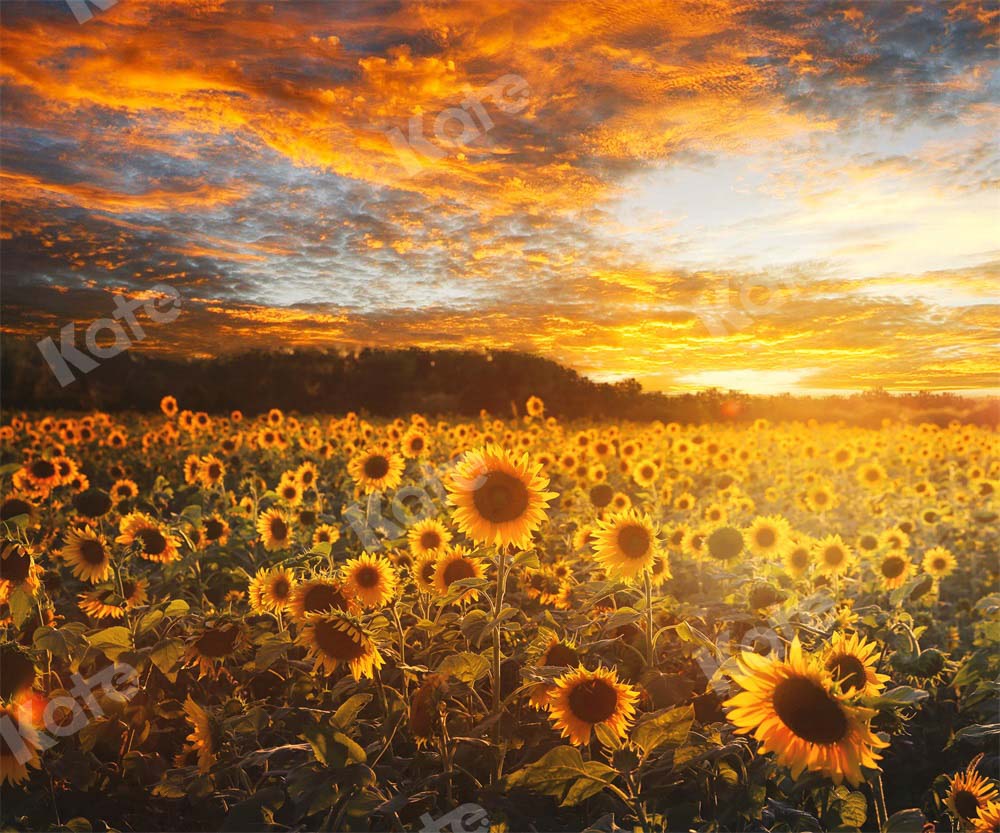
809	711
634	541
965	803
939	563
153	541
214	472
12	507
833	556
457	570
279	529
42	469
561	655
871	475
849	670
337	644
893	566
91	551
417	443
367	577
323	597
15	566
289	492
430	540
766	537
427	571
725	543
820	497
593	701
280	588
800	558
601	494
18	672
868	542
218	642
501	497
213	529
376	467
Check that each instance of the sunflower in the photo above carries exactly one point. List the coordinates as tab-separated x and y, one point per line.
318	595
203	735
558	653
455	565
86	551
725	543
987	820
584	699
872	476
660	571
414	444
153	541
793	708
307	475
42	475
769	536
92	503
969	792
214	646
868	543
376	471
625	544
893	570
428	536
499	499
370	579
426	708
325	534
534	406
851	661
19	743
799	557
17	569
333	638
275	528
216	530
211	471
15	505
833	556
271	590
939	562
645	473
424	571
105	603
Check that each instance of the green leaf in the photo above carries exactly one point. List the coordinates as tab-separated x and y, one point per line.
668	726
20	602
977	731
905	821
903	695
607	737
355	754
178	607
348	711
112	641
474	625
854	810
166	653
149	621
465	667
527	560
563	774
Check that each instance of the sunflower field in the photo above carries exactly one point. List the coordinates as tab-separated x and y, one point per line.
293	622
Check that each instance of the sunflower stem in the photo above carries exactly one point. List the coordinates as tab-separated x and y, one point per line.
497	607
647	586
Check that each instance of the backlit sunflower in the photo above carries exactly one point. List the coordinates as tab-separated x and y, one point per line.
153	541
769	536
725	543
428	536
211	471
534	406
18	672
499	499
334	638
454	565
86	551
851	661
204	732
939	562
17	570
414	444
275	528
325	534
371	579
271	590
318	595
625	544
799	557
645	473
19	743
584	699
216	530
557	653
376	471
872	476
216	645
833	556
793	708
424	569
893	570
969	792
105	603
988	818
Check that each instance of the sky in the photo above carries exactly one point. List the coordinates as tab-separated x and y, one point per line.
764	196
